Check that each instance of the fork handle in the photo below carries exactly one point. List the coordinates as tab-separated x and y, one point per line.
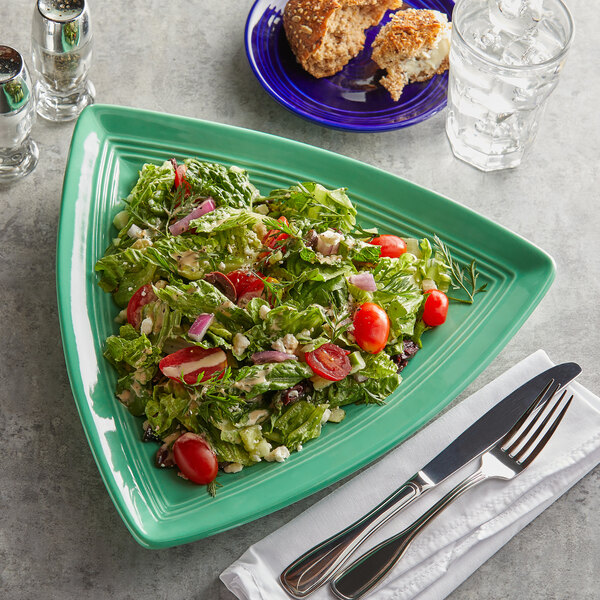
317	565
362	575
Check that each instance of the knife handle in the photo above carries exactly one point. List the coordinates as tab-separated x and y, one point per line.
360	577
316	566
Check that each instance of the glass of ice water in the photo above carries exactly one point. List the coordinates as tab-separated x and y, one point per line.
505	59
61	40
18	152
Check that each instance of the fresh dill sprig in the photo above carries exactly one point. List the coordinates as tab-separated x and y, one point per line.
460	280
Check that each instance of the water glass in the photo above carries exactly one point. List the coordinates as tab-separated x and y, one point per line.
505	59
18	152
61	42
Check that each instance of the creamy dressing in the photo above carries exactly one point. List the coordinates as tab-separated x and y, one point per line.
249	382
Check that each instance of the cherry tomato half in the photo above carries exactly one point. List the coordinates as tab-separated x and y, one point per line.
195	458
192	361
246	282
371	327
140	298
391	245
436	308
329	362
275	235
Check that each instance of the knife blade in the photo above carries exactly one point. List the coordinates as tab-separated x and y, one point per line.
319	564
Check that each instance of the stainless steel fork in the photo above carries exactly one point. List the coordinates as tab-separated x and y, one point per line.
513	453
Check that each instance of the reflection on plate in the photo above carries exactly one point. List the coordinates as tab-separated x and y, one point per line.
350	99
160	509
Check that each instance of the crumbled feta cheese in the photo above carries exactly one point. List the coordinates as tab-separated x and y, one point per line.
279	454
325	416
330	237
263	311
428	284
121	317
240	343
146	326
135	232
288	344
233	468
299	448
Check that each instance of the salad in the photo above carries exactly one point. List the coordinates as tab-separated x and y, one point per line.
248	322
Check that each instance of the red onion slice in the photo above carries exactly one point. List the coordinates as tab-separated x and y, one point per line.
364	281
271	356
200	327
183	225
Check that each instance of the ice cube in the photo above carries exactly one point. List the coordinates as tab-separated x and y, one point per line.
514	16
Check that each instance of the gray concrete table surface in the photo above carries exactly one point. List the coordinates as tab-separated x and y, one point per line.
60	536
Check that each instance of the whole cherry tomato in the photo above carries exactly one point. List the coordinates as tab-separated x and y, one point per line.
436	308
140	298
371	327
195	458
391	245
329	362
191	362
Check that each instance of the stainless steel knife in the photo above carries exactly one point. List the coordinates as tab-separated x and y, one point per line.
319	564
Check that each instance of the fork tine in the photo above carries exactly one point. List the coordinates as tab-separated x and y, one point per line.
541	443
539	400
530	439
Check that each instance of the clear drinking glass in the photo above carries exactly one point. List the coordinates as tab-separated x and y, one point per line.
18	152
505	59
61	42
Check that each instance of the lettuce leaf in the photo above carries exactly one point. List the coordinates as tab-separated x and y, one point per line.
227	186
298	424
259	379
315	204
202	297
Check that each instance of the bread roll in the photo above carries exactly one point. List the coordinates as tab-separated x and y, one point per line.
326	34
413	46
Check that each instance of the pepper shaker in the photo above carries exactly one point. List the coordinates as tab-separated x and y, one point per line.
18	152
61	42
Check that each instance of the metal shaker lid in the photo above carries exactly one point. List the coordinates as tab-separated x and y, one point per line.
61	26
15	87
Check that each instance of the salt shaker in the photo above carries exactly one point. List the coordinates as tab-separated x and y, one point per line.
61	40
18	152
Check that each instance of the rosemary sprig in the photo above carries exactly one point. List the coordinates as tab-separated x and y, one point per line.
211	488
338	325
391	283
215	399
460	280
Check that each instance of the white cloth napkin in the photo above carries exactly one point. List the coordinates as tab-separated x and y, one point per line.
467	533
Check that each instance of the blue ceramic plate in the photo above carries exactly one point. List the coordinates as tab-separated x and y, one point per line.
350	99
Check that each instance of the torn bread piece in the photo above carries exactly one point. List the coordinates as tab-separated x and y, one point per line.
326	34
413	46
